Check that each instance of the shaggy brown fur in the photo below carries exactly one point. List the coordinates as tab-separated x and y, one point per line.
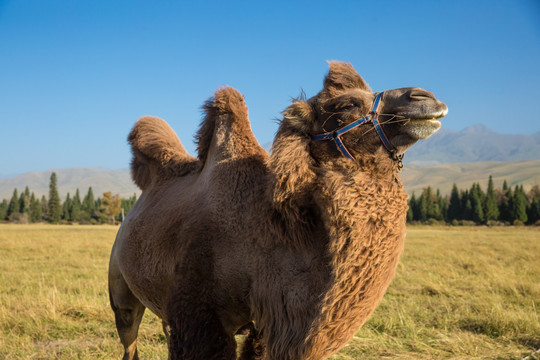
298	247
157	153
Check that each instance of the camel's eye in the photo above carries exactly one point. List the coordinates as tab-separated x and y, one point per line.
348	107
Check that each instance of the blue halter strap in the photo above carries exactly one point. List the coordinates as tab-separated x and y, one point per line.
372	117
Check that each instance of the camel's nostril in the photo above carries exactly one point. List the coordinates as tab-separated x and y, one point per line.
419	94
420	97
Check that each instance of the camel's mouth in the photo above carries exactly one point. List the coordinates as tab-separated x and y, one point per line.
423	126
421	129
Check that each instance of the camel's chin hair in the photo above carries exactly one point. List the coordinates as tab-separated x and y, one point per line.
421	129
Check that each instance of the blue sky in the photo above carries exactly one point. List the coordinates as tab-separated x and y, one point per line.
76	75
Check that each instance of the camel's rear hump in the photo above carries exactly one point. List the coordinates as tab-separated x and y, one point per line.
157	152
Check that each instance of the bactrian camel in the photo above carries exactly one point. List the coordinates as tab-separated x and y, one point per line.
297	246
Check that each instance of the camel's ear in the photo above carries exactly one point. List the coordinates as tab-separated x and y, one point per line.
299	115
342	76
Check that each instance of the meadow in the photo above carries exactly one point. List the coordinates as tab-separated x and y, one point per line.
459	293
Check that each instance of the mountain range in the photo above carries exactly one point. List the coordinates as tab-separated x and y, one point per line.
448	157
443	176
474	143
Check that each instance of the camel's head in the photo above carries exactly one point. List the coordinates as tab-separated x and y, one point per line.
406	115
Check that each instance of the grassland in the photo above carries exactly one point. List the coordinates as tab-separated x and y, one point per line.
459	293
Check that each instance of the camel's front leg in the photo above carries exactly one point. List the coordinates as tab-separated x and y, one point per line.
128	312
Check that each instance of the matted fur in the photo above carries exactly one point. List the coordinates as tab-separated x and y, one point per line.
299	247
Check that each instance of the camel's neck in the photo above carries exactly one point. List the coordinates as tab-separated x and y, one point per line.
364	220
350	219
361	210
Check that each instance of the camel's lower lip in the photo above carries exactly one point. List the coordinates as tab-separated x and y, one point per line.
421	129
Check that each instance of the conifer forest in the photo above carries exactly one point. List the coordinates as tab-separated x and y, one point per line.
495	206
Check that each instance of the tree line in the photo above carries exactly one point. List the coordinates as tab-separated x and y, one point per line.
28	208
471	206
496	206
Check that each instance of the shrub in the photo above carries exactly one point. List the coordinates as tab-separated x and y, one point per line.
19	218
432	221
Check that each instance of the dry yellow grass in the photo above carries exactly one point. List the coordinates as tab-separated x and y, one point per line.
459	293
54	302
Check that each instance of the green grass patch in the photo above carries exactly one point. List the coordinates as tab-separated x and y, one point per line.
459	293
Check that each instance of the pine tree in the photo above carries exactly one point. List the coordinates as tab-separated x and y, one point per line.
507	208
14	205
477	209
491	209
431	200
481	195
454	207
413	207
428	196
44	208
468	209
66	209
476	196
24	201
54	211
76	207
465	213
519	204
89	204
443	206
422	208
3	209
35	212
98	213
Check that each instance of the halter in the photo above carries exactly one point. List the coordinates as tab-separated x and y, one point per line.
372	117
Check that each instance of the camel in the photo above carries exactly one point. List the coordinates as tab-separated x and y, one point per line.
298	247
